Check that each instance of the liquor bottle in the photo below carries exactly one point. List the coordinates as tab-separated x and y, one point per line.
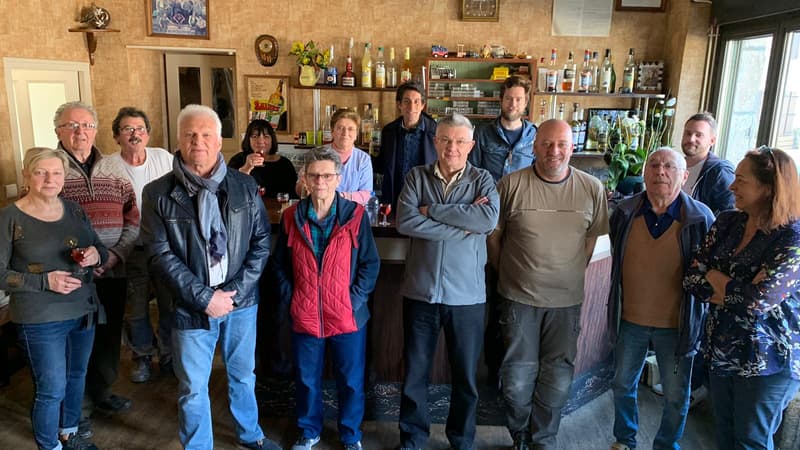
541	76
602	133
585	80
606	84
595	87
582	134
542	112
380	70
327	134
331	73
375	139
612	87
366	66
552	73
575	124
561	111
406	72
366	125
349	77
628	75
391	70
568	80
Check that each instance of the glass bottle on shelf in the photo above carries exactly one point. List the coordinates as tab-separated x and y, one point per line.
366	66
582	135
327	135
541	76
542	112
391	70
561	111
575	124
585	78
602	133
380	70
568	78
595	86
407	71
375	138
349	77
331	73
552	73
628	75
607	69
366	125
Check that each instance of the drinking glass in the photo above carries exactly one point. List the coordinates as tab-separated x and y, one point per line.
385	210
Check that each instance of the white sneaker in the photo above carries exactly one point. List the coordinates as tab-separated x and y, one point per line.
619	446
305	443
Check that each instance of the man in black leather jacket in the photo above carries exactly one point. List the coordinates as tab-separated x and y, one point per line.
207	239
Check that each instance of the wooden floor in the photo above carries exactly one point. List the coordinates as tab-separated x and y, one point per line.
152	421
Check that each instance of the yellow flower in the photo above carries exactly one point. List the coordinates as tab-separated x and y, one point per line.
310	54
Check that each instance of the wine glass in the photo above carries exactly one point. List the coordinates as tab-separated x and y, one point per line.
77	254
283	197
385	210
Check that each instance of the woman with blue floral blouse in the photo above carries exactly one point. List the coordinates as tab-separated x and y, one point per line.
749	270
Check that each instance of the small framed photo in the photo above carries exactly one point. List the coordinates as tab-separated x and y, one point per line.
268	99
641	5
651	77
187	19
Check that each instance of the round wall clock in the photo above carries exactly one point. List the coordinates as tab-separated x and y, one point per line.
480	10
267	50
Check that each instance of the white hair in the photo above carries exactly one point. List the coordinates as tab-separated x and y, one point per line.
680	160
198	110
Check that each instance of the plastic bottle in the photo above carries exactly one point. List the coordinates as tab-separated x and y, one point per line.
373	204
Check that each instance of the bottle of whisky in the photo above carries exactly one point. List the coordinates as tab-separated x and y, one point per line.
568	79
407	71
380	70
349	77
628	75
391	70
585	80
552	73
366	67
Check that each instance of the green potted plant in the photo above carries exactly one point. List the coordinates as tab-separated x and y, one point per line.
636	141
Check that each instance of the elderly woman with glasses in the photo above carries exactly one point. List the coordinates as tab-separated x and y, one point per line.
748	269
46	256
327	265
259	158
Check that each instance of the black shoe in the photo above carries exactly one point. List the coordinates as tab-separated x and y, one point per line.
85	428
113	404
263	444
75	442
140	373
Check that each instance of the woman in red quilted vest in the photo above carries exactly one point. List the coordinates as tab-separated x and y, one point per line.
327	265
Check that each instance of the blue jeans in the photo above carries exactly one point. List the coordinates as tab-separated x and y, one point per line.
749	410
58	353
536	374
192	358
463	331
633	342
139	332
348	352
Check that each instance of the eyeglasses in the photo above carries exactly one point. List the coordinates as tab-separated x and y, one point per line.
75	125
130	130
321	176
458	142
768	150
668	166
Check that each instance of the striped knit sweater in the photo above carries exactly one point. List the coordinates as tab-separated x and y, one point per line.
108	199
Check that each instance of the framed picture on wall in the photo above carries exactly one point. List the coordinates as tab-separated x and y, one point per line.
267	99
641	5
187	19
650	76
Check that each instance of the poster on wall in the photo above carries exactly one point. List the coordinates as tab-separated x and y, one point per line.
178	18
267	100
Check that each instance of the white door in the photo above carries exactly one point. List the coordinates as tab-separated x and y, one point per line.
205	80
36	89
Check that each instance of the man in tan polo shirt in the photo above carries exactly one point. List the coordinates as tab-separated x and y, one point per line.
653	236
550	217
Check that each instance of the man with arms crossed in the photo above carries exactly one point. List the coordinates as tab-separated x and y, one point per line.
550	217
207	237
447	208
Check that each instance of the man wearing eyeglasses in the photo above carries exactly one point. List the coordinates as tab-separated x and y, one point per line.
550	217
447	208
653	237
100	185
142	164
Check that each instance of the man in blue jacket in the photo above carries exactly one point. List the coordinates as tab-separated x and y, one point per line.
207	238
708	176
653	236
447	208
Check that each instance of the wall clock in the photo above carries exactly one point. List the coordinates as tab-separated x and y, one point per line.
266	50
480	10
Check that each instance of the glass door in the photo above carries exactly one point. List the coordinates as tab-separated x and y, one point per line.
785	133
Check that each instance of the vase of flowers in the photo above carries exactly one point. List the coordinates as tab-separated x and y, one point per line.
311	61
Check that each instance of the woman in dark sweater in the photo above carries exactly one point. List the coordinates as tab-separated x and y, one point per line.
46	257
260	159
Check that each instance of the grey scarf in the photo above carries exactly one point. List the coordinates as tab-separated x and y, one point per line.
211	225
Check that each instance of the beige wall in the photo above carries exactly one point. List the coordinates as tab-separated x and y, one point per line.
124	76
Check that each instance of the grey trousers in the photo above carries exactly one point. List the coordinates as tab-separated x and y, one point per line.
536	373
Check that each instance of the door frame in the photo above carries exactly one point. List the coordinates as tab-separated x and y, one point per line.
12	64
